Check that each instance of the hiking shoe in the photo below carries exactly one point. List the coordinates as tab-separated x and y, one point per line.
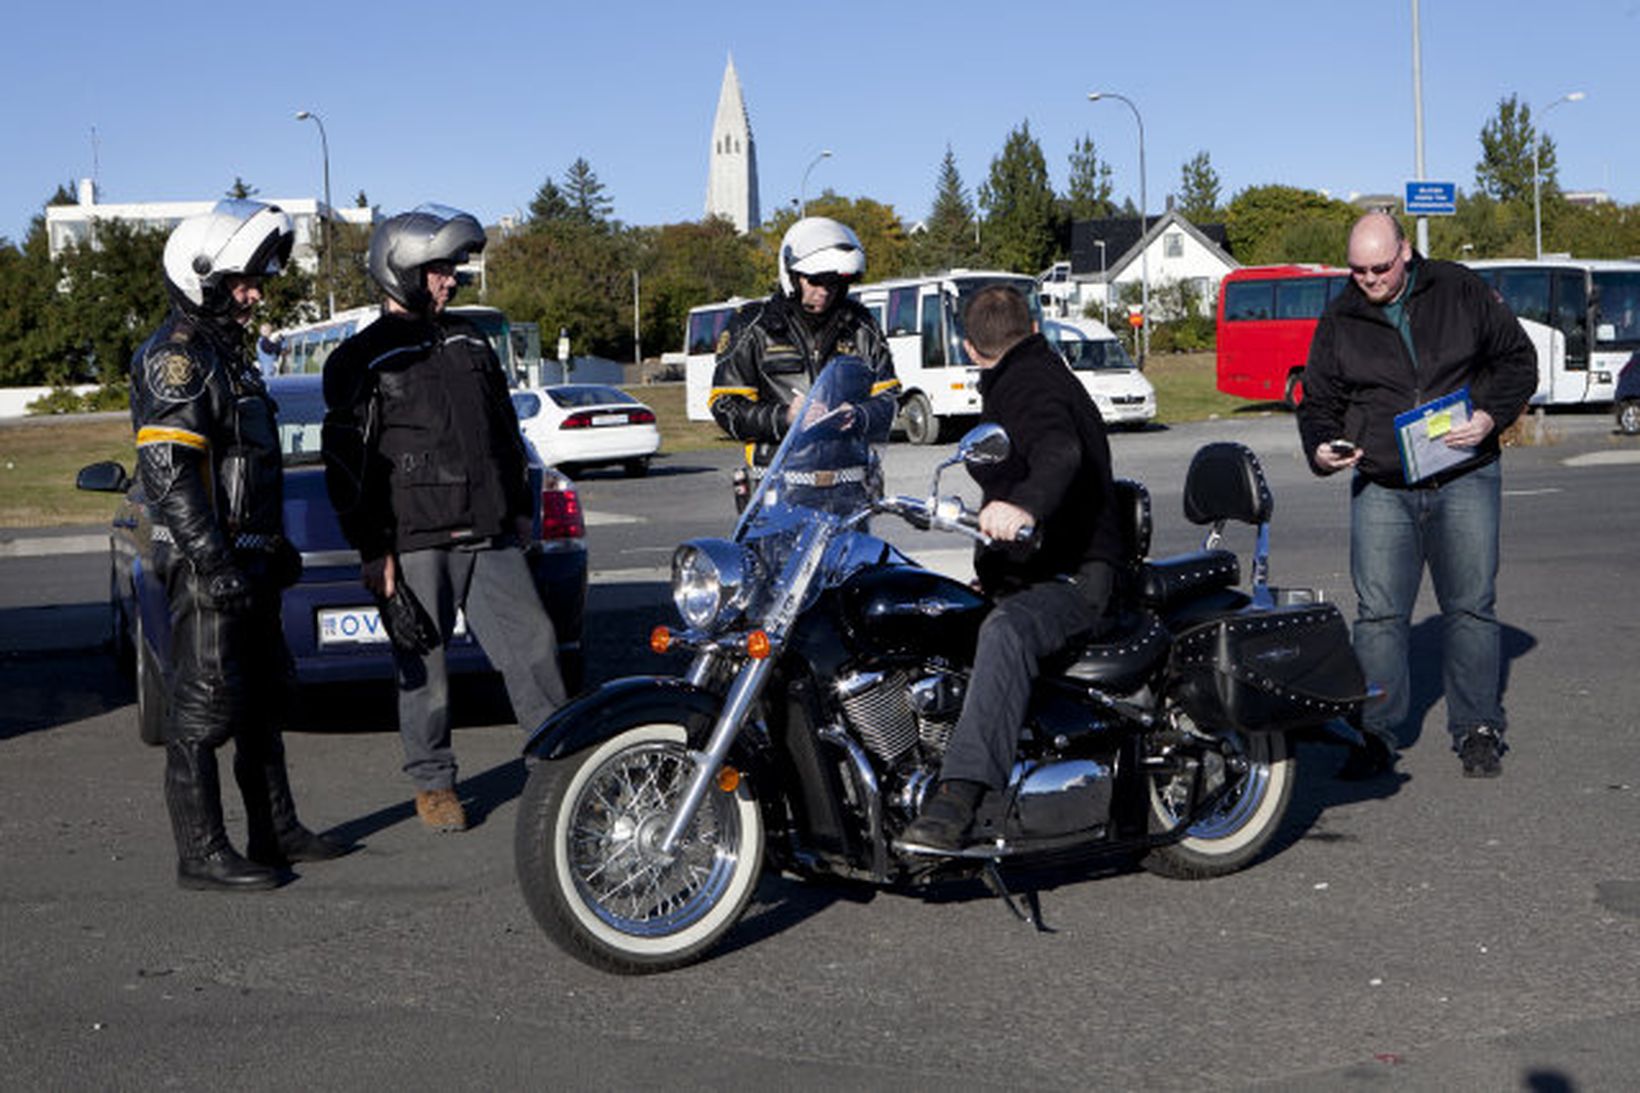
945	816
1372	759
440	810
1481	753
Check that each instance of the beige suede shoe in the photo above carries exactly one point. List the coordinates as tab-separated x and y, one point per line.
440	809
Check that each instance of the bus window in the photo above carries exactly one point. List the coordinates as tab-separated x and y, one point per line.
1618	298
1248	300
1526	291
1303	298
902	312
1571	316
705	327
933	346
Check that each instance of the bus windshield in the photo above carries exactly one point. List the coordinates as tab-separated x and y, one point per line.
1618	301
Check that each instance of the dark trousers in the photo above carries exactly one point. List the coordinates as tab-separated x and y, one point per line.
1022	629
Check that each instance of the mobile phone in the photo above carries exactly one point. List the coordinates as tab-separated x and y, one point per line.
1341	448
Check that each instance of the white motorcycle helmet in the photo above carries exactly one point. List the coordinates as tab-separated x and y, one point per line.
236	238
403	244
818	245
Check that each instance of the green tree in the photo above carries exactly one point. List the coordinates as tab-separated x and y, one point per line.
948	237
686	265
570	275
585	195
548	205
1504	171
1088	194
1268	224
1199	190
1020	227
111	296
242	189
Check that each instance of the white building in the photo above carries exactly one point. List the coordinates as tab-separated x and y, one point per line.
731	180
1108	254
69	225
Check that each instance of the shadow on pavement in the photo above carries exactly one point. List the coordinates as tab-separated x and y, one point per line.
46	690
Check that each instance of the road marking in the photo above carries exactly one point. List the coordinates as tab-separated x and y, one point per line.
1603	459
40	546
600	519
1531	493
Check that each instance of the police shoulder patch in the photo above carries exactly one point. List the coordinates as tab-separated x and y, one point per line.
173	373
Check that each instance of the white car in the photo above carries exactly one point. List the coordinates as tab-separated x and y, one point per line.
1122	393
588	424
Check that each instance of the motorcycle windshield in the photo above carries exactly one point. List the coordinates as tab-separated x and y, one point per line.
827	466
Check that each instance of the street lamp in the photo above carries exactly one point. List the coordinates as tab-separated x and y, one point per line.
1144	251
1537	189
803	187
330	248
1104	287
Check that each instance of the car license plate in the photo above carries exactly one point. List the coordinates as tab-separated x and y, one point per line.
609	419
361	626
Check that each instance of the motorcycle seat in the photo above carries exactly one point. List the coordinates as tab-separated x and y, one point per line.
1168	583
1121	658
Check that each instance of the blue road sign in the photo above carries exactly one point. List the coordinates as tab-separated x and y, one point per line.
1432	198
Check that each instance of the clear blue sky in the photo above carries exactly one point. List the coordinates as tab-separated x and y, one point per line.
475	104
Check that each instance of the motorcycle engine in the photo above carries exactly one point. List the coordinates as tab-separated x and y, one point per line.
891	712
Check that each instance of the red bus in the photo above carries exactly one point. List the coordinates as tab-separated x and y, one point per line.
1267	315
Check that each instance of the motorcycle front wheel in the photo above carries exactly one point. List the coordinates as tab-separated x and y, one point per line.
1250	786
589	828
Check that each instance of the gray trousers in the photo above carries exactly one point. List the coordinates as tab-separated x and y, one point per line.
493	587
1022	629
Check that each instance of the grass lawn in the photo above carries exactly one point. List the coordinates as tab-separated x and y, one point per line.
40	456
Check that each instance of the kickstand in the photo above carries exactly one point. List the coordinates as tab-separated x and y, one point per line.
993	881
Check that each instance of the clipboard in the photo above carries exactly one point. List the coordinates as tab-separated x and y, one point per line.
1420	434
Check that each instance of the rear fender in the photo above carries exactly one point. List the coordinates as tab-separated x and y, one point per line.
620	704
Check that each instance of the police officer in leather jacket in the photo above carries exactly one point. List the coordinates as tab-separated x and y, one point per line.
427	469
772	349
209	464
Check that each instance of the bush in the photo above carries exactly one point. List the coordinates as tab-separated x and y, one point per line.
62	400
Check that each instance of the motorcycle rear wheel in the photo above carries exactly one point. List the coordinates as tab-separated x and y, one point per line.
585	852
1241	822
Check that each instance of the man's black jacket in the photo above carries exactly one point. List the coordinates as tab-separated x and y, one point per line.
1359	374
1059	469
421	443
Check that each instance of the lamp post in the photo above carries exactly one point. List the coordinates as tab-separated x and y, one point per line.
1537	188
803	187
1144	251
330	249
1104	286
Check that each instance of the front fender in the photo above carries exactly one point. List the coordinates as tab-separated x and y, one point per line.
620	704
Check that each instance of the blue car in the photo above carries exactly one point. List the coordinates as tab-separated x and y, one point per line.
330	621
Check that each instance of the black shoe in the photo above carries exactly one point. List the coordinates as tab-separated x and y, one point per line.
1481	753
225	870
300	845
1371	760
945	816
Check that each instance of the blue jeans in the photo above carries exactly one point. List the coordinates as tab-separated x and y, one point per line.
1453	530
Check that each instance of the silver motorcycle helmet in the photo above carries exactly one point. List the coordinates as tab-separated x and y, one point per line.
236	238
402	245
816	246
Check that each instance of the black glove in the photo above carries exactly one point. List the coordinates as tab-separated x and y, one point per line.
410	627
225	589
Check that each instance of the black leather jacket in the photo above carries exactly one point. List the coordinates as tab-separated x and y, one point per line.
207	444
421	443
767	357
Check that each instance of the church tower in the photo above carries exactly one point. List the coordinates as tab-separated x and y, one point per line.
731	181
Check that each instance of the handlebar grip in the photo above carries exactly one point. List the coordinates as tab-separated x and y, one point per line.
1025	534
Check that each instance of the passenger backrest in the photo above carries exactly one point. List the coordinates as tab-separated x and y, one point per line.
1225	482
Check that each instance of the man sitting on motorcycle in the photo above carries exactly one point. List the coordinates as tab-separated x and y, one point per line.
1056	480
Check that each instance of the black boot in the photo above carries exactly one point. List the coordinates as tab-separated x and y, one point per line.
193	795
274	836
945	817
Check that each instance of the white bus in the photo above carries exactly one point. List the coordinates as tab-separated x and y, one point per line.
922	317
304	348
1583	315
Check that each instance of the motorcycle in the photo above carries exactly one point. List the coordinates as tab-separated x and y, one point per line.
828	669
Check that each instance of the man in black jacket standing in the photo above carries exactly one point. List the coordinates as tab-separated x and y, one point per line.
427	471
1056	480
1405	331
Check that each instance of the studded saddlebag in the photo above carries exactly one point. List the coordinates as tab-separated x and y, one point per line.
1268	669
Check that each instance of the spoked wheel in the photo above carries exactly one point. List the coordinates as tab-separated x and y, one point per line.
1247	780
921	426
587	850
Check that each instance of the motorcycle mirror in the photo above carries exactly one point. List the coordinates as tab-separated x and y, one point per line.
984	444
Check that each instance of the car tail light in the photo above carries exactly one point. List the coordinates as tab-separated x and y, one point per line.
580	420
561	516
641	417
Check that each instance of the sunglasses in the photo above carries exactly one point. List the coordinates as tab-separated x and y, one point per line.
1377	271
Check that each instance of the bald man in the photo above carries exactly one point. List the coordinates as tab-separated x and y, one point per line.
1404	331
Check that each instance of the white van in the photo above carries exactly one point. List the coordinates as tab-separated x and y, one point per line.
1122	393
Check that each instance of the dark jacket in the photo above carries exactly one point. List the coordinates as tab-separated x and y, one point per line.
421	442
1360	375
1058	470
767	357
207	446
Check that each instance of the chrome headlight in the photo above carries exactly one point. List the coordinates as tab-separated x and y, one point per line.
709	582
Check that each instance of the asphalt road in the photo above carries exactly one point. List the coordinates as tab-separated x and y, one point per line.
1430	933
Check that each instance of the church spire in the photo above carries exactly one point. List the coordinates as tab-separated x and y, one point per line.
731	181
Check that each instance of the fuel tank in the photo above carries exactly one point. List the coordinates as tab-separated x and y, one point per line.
900	610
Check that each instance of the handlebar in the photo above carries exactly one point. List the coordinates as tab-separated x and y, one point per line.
944	514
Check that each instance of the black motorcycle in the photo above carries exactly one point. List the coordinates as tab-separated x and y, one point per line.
829	668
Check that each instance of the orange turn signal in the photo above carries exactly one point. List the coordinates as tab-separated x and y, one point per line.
728	779
757	645
660	639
